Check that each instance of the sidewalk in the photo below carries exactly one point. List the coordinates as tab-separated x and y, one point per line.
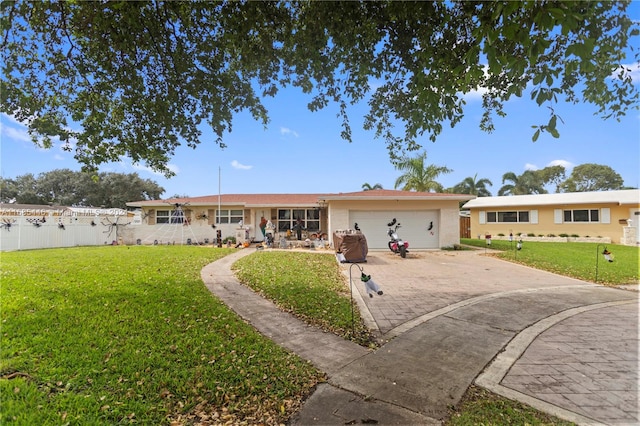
445	316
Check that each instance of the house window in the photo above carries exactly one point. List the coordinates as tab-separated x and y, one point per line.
287	218
582	215
163	216
229	216
170	216
508	217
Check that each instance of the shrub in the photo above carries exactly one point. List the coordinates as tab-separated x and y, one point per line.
531	234
551	235
564	235
575	235
229	239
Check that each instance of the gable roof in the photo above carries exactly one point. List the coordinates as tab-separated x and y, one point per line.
620	197
299	200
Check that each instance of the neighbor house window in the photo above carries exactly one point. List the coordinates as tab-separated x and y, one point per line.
508	217
582	215
229	216
287	218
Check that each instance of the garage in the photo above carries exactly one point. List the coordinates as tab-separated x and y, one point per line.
419	227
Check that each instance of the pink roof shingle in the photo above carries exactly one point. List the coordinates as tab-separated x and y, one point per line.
252	200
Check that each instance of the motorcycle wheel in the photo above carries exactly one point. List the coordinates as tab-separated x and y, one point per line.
403	251
390	247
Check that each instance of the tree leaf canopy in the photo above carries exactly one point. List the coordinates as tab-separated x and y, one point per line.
139	79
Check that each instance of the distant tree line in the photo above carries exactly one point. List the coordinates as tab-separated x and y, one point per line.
64	187
422	177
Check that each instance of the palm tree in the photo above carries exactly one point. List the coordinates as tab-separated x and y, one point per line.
527	183
417	176
473	186
367	187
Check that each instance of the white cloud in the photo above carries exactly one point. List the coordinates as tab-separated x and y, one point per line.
15	134
286	131
14	130
236	165
564	163
17	131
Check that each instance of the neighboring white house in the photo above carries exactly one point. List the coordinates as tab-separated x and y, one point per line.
608	214
429	220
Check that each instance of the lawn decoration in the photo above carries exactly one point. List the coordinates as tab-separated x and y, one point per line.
174	225
608	256
145	214
370	285
61	225
112	226
37	222
6	224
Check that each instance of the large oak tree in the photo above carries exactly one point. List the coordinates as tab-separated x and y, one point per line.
137	79
69	188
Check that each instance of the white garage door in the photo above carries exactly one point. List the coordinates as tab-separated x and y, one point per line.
415	227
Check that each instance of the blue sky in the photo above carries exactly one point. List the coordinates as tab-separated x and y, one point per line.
302	152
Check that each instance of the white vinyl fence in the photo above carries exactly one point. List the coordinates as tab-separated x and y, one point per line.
35	228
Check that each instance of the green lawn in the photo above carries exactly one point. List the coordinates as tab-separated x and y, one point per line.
308	285
110	335
577	260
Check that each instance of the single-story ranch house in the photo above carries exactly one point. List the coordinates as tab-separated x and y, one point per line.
607	214
429	220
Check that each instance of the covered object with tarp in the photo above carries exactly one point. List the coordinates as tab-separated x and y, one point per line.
352	246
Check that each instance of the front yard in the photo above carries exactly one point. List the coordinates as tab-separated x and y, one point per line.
106	335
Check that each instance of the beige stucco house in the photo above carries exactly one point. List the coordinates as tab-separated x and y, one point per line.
429	220
613	215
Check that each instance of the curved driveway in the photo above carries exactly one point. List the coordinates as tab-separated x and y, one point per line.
564	346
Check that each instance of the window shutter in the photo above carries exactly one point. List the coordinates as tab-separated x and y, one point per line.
606	215
534	216
557	216
482	217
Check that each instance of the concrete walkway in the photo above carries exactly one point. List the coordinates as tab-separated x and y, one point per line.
449	319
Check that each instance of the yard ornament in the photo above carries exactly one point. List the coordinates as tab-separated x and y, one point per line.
6	224
370	285
607	255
